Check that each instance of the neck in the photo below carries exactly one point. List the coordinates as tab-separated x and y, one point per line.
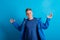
31	18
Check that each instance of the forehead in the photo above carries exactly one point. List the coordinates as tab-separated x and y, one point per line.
29	11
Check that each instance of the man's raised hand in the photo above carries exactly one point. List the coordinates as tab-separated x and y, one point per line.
49	16
12	20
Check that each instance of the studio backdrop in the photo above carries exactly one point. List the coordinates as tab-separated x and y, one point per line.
16	9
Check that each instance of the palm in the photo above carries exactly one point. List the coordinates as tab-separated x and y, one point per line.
12	20
50	16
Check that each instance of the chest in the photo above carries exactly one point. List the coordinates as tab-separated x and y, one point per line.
31	24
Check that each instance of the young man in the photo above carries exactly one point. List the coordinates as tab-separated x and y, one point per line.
31	28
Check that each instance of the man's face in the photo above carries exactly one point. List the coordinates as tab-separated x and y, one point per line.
29	13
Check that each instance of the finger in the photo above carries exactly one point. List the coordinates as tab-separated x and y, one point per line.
50	14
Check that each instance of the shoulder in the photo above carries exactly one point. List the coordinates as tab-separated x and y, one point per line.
25	19
37	18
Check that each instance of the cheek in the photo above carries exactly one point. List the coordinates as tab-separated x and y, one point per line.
30	14
27	14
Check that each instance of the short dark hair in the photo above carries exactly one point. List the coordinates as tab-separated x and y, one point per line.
28	9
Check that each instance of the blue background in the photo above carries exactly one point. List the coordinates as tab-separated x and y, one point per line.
16	9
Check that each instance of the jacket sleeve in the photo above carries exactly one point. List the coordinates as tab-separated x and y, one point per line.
19	27
44	25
